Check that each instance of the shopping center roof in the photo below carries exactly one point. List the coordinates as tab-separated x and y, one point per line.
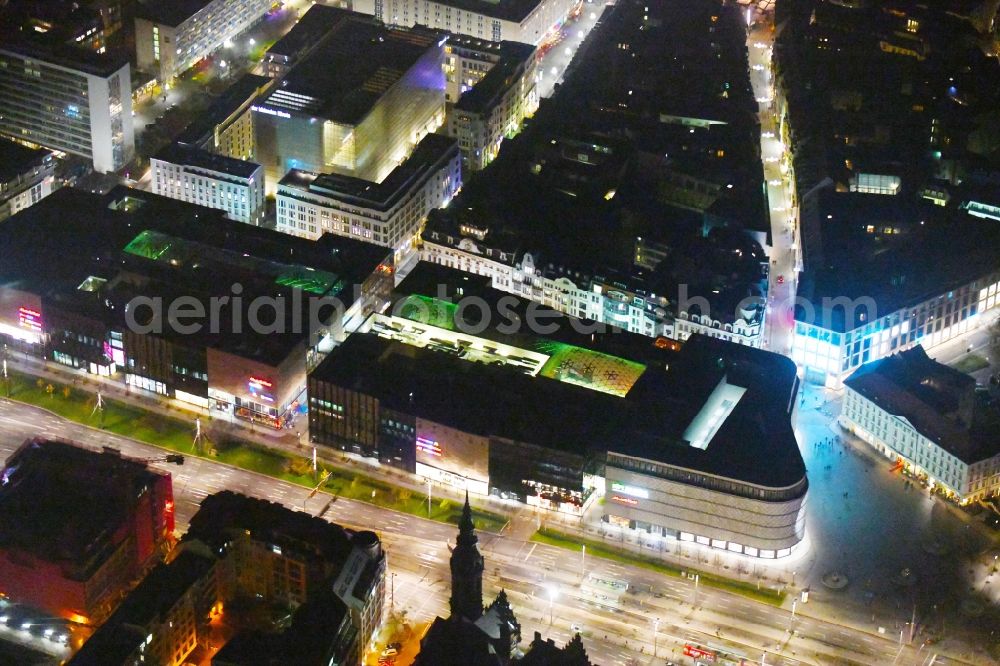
572	392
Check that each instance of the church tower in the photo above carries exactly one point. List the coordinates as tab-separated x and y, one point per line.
466	570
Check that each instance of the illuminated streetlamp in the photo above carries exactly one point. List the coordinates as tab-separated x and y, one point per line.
552	597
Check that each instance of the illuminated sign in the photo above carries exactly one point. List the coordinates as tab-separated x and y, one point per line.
428	446
271	112
29	319
630	490
698	653
258	388
625	500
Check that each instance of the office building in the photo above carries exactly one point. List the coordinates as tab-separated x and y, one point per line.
528	21
291	558
493	104
184	172
162	620
170	37
96	295
695	444
356	104
895	275
68	99
930	419
79	527
241	550
227	126
26	177
390	213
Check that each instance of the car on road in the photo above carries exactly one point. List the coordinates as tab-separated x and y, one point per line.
390	652
758	68
781	279
767	135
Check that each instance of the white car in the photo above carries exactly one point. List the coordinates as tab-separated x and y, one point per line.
767	135
774	182
758	68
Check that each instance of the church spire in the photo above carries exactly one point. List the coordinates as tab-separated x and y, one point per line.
466	569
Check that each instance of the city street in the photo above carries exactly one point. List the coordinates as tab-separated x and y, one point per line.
559	50
780	321
535	575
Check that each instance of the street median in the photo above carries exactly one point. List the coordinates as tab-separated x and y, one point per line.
595	548
221	442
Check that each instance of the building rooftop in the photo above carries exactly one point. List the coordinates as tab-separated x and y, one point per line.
235	96
431	150
596	392
171	13
71	57
16	159
343	77
894	250
146	605
307	642
188	155
63	503
179	249
225	512
940	402
311	28
513	57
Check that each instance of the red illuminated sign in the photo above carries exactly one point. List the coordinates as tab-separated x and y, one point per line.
30	319
625	500
259	388
698	653
258	383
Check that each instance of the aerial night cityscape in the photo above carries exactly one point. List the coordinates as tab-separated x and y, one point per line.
499	332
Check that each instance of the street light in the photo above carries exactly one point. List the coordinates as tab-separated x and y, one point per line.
428	498
552	597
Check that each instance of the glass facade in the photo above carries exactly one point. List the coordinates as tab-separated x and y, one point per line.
65	109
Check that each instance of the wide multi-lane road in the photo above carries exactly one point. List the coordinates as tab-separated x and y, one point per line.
543	582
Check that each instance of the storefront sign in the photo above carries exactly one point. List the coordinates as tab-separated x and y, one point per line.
630	490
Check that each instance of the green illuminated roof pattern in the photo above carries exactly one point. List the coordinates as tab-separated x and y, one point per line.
149	244
566	363
179	252
429	310
585	367
310	280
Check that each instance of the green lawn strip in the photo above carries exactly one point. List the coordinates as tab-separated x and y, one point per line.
971	363
78	405
600	549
